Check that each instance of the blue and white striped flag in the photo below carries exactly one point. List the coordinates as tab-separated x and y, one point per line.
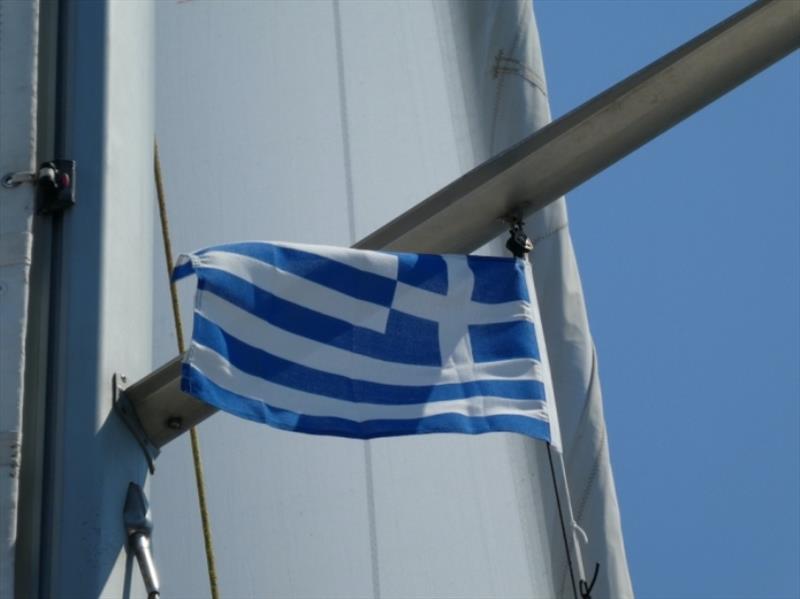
366	344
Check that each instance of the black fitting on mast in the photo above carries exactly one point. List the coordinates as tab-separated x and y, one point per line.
518	242
55	182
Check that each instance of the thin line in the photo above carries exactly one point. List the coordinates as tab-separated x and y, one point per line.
561	520
351	223
346	150
373	527
196	457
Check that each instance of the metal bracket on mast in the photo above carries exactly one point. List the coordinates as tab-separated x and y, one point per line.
156	410
125	409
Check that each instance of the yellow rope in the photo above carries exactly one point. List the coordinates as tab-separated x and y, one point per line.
197	459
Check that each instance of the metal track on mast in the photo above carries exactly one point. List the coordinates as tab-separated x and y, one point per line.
559	157
537	171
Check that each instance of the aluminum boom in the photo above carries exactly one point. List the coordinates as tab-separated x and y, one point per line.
559	157
537	171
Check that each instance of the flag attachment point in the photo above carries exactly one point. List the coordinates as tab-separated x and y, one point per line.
518	242
364	344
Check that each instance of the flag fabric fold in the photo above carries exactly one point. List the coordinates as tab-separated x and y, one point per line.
364	344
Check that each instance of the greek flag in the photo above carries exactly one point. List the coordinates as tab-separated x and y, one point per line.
363	344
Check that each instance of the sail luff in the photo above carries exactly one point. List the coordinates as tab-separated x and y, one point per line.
18	76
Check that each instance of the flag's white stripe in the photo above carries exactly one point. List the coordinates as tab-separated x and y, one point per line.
409	299
262	335
433	306
221	372
298	290
379	263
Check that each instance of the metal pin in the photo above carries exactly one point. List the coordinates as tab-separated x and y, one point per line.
12	180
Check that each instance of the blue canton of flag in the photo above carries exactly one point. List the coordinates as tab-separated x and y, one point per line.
364	344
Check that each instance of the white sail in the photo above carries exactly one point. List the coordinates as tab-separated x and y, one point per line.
318	123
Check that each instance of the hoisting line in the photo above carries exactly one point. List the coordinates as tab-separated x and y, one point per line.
561	520
520	245
196	457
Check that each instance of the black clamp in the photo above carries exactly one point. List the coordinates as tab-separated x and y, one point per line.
586	589
518	242
54	181
56	186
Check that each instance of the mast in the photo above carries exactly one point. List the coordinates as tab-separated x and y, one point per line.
100	271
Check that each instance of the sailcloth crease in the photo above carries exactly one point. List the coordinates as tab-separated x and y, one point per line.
364	344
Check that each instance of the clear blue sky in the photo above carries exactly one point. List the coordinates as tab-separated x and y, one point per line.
690	259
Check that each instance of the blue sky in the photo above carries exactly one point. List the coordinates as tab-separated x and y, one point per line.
690	259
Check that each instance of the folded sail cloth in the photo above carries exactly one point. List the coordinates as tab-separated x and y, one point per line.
364	344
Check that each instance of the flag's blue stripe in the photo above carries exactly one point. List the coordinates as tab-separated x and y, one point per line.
195	383
184	270
347	279
503	341
408	339
498	280
426	271
259	363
